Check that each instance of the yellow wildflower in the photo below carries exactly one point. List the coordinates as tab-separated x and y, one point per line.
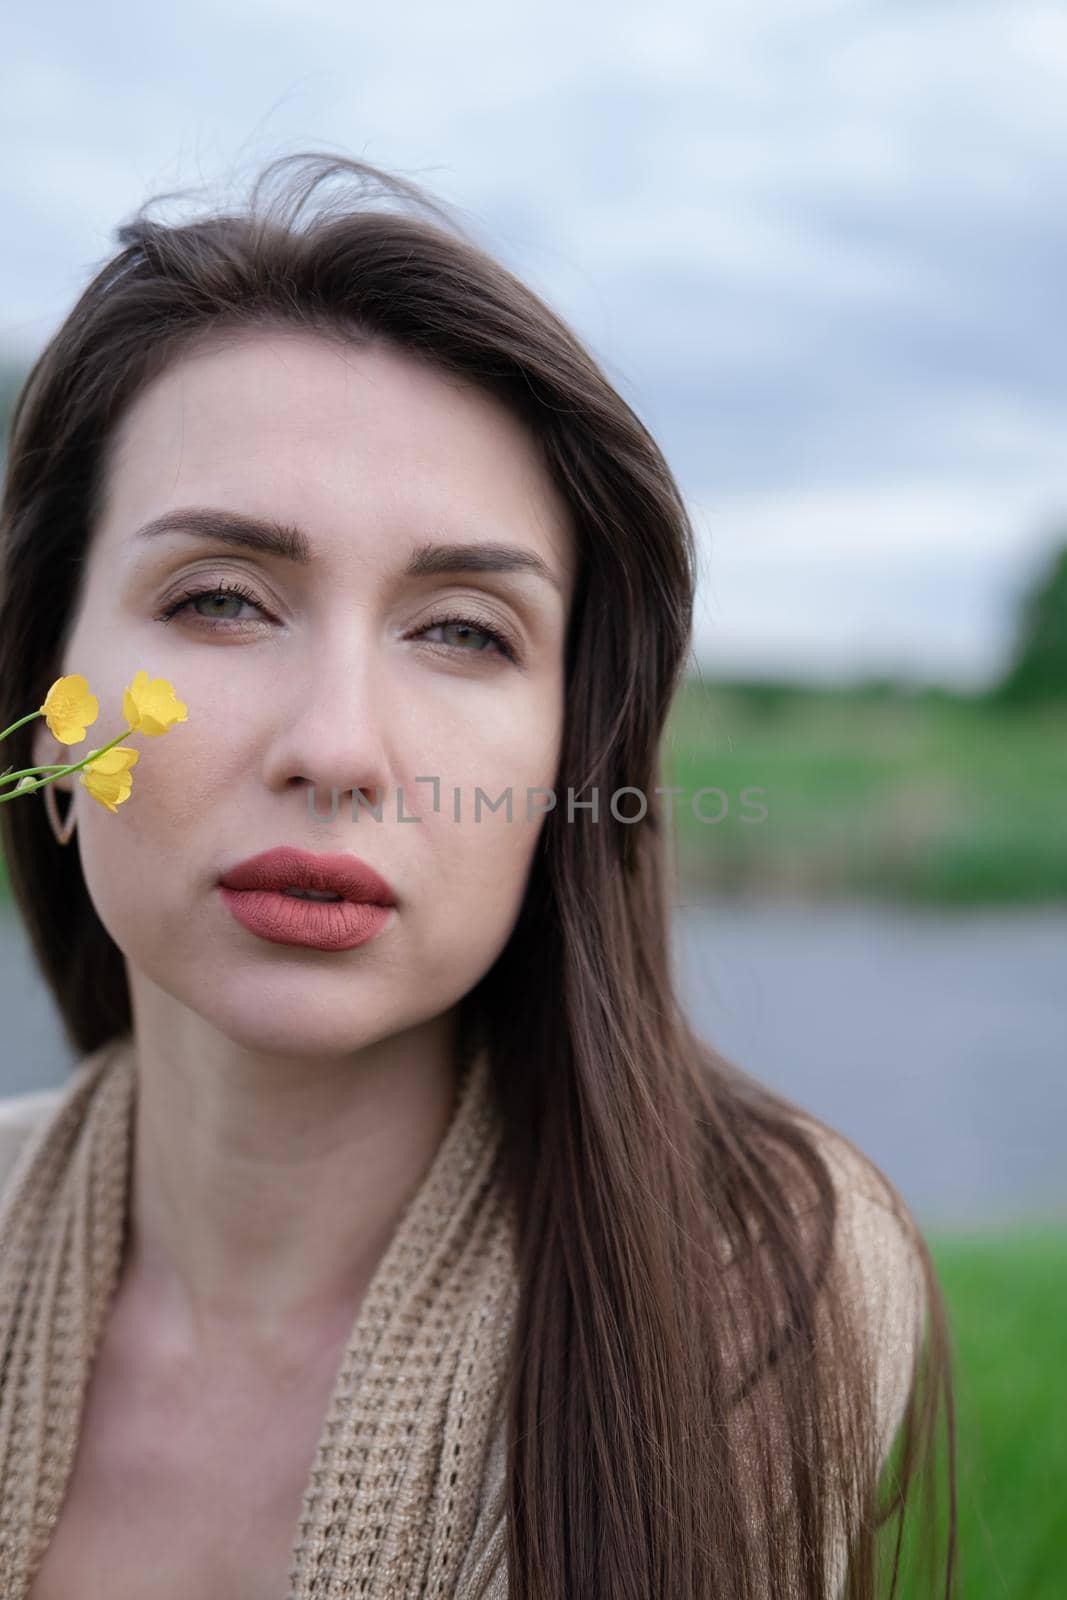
152	707
108	777
69	708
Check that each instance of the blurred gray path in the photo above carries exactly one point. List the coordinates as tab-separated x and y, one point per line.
937	1041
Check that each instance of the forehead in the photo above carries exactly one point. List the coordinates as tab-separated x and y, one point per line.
332	437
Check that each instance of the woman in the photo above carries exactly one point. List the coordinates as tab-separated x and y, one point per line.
415	1245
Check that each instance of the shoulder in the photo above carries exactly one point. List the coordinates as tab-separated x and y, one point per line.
877	1266
21	1115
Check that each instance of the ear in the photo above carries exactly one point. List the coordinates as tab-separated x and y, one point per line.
47	751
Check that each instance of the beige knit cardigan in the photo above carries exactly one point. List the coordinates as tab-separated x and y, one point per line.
406	1496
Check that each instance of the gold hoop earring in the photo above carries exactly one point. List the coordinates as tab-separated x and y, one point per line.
61	828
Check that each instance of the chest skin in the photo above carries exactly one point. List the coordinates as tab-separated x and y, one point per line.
189	1484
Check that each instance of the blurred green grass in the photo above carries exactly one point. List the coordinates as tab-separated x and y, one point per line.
1007	1301
926	798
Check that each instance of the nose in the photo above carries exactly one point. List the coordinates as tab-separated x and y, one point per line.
332	713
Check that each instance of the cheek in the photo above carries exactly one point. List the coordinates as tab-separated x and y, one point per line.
471	888
142	861
512	739
476	865
177	777
477	854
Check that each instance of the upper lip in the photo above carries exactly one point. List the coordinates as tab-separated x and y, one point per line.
286	866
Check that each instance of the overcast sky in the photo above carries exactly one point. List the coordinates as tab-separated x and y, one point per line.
818	246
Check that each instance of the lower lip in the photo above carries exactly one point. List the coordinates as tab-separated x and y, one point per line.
318	924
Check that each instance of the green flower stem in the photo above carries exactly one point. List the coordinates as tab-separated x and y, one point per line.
58	772
27	718
28	771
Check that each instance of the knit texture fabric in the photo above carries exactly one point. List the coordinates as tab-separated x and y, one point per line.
405	1496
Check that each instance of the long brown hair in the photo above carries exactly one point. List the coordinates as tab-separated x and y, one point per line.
692	1398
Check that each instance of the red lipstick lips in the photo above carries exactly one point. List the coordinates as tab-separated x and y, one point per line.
253	891
289	867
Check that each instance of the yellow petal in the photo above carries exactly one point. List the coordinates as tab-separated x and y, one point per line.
151	706
111	789
108	778
119	759
69	708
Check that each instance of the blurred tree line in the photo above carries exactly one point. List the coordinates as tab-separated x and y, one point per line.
1038	667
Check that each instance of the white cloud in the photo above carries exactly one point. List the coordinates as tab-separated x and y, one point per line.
913	579
904	522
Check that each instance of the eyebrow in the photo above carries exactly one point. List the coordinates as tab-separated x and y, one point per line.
287	542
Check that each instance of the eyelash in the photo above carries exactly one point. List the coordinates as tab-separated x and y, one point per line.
480	624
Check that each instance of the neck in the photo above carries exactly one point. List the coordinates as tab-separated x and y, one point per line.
263	1193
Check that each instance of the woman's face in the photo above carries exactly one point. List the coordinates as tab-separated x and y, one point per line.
322	680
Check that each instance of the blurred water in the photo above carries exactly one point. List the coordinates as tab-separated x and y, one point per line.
938	1042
